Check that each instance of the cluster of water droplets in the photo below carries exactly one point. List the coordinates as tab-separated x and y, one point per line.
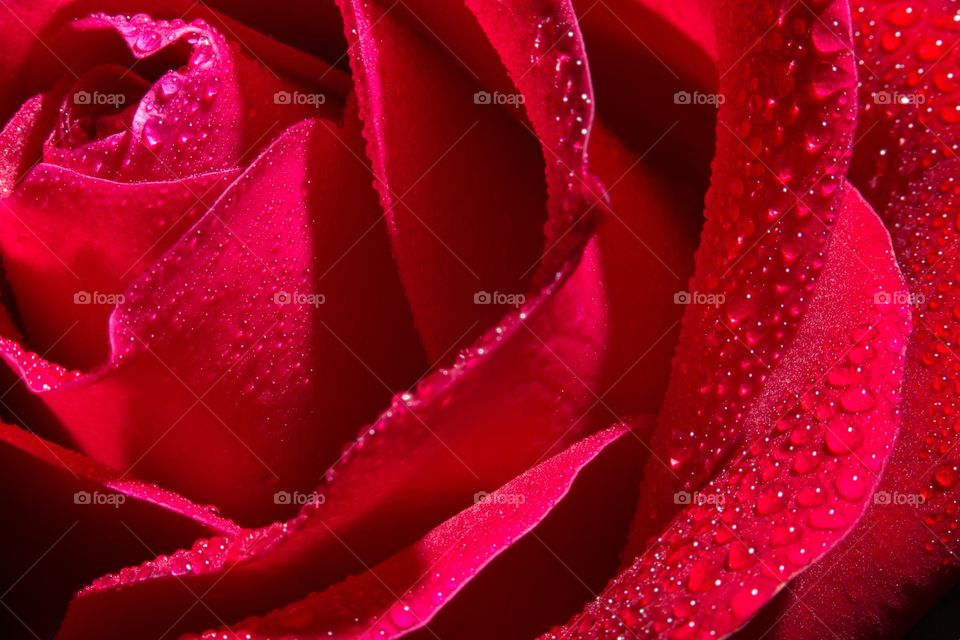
36	372
784	135
910	97
174	120
928	238
791	496
179	93
205	556
909	92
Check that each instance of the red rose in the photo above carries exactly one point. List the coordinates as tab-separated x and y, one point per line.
394	289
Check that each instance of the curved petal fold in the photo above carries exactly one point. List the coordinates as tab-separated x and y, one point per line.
455	566
68	519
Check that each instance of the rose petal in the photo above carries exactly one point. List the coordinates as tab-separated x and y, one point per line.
807	475
769	212
68	519
542	49
448	566
21	141
904	554
253	326
651	230
87	239
460	180
645	233
669	49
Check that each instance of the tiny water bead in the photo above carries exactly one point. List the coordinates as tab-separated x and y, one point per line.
946	476
852	483
154	132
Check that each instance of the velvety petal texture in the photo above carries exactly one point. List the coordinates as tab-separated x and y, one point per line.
88	239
